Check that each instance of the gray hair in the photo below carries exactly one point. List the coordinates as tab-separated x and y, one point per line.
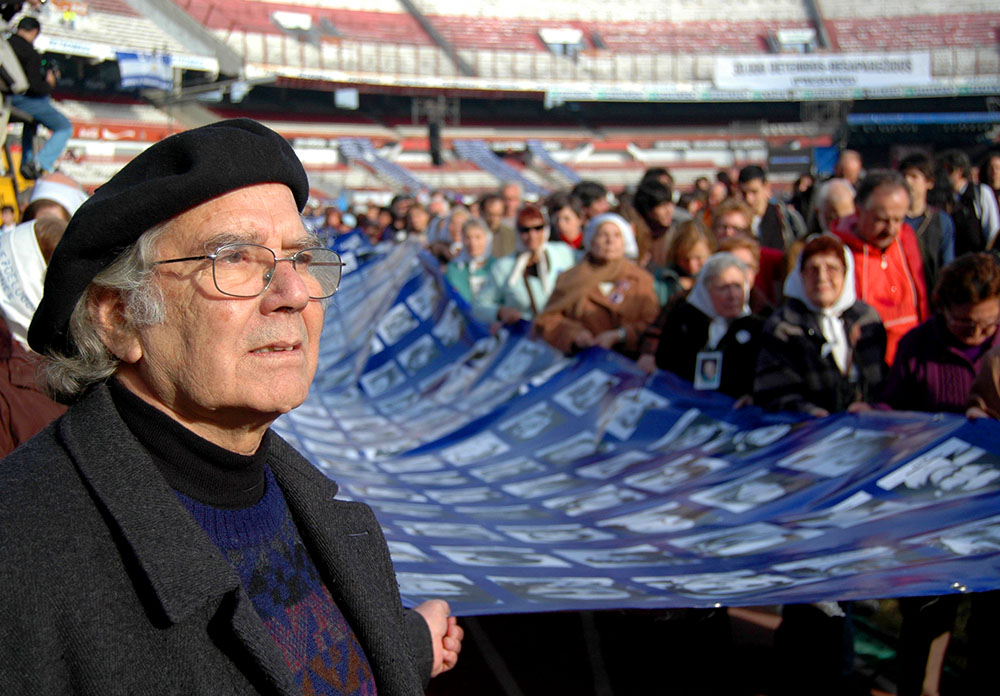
719	262
66	376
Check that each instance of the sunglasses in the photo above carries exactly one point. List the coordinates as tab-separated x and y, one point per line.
533	228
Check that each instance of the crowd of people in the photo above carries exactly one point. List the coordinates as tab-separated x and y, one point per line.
865	291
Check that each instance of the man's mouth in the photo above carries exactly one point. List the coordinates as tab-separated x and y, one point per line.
273	349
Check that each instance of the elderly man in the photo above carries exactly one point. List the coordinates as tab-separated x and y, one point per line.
889	273
159	537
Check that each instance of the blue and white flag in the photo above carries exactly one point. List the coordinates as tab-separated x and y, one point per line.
146	70
508	478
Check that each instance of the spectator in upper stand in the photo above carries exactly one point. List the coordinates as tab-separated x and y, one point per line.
834	201
594	198
56	195
974	210
889	274
566	215
519	284
512	195
36	101
654	220
395	230
938	360
730	219
714	337
604	300
989	172
774	224
417	219
469	271
7	219
849	166
823	349
934	228
491	210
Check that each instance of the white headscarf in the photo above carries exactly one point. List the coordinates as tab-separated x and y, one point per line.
464	256
701	300
628	234
830	323
22	278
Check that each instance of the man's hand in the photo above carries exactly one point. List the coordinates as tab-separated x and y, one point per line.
446	634
607	339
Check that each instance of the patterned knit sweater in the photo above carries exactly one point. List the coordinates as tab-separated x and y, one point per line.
238	503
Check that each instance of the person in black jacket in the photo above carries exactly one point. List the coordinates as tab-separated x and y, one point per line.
823	349
36	101
710	338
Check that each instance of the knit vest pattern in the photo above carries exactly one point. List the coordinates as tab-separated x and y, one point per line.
263	545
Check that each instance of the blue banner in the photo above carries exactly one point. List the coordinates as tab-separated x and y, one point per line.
145	70
508	478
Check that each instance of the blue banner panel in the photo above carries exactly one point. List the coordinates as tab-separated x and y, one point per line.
508	478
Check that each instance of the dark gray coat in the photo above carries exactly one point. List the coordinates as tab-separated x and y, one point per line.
108	586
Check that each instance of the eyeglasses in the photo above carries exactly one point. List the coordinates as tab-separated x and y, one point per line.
533	228
246	270
970	325
738	230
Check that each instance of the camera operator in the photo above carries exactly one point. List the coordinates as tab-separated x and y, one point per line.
36	102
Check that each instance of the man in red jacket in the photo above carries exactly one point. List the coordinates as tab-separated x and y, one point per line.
888	271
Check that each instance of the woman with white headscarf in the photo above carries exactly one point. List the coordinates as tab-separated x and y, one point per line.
468	272
604	300
711	338
823	349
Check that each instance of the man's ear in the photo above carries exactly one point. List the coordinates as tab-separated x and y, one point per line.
107	312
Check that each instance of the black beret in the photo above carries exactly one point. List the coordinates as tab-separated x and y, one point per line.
170	177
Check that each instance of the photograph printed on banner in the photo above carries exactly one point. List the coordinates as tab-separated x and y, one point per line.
518	363
554	533
418	354
408	465
751	491
499	557
396	323
694	429
425	299
557	366
404	552
474	449
330	435
366	492
447	386
450	326
440	479
609	468
375	345
594	500
448	530
546	485
735	583
859	508
457	589
382	379
675	472
400	405
628	407
853	562
586	392
529	424
420	511
972	539
466	496
573	588
740	541
953	469
508	468
840	452
357	472
363	422
662	518
640	555
390	447
569	450
504	513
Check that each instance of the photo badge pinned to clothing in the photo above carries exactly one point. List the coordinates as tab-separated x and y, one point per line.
708	370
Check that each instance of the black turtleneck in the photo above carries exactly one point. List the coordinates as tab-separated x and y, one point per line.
191	464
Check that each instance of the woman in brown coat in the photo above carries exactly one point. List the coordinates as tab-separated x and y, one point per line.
604	300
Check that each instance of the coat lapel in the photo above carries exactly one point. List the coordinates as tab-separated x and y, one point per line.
181	570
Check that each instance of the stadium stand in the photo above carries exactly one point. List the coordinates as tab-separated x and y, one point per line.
538	151
480	154
360	151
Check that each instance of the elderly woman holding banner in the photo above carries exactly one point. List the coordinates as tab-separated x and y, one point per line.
605	300
469	271
823	350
